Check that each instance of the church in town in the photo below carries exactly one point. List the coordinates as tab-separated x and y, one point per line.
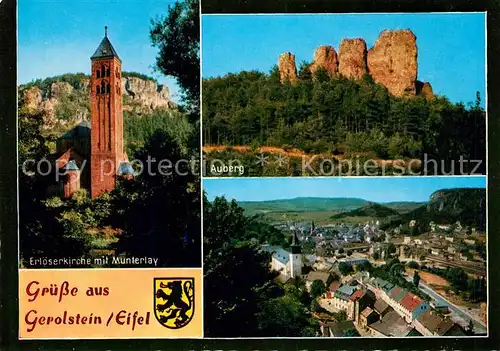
91	155
288	262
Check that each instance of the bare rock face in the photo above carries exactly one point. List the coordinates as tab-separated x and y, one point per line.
31	98
140	95
60	89
163	97
84	84
424	89
352	58
145	93
325	57
392	61
287	67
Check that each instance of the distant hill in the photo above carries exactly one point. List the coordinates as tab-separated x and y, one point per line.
372	209
321	204
64	101
303	204
447	206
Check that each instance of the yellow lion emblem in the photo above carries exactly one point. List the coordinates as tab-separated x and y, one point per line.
174	301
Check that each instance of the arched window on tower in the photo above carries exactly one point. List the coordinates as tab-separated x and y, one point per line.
97	90
103	88
108	89
103	70
98	74
107	72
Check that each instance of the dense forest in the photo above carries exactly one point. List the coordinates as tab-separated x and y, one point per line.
137	129
338	116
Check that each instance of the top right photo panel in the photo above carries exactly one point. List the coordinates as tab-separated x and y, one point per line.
344	95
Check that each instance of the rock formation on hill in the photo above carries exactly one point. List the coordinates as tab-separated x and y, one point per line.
287	67
61	98
146	93
325	57
424	89
352	58
392	61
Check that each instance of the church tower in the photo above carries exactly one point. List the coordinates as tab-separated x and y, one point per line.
295	257
106	150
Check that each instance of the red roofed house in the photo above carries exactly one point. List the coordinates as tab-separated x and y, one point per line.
412	306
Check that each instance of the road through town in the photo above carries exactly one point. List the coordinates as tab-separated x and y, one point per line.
479	326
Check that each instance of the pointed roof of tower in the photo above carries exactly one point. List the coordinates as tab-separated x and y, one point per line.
295	239
105	49
71	166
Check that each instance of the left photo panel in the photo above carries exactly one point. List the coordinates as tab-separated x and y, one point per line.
109	169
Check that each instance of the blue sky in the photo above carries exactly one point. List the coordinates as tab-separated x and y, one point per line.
57	37
451	47
383	189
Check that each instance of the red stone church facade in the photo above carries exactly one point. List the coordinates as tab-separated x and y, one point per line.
96	163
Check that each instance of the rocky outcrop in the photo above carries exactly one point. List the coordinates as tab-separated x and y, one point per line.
146	93
31	98
141	95
287	67
59	90
352	58
84	84
424	89
63	104
392	61
325	57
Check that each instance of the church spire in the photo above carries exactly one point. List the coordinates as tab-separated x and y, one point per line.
105	49
295	245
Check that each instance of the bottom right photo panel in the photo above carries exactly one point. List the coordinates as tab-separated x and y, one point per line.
345	257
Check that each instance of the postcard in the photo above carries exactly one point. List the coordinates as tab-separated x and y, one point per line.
181	174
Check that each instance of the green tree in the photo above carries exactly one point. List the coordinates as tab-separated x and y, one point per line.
178	38
285	316
396	269
44	230
376	256
317	288
416	279
174	238
341	316
414	265
349	253
364	266
391	249
345	268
